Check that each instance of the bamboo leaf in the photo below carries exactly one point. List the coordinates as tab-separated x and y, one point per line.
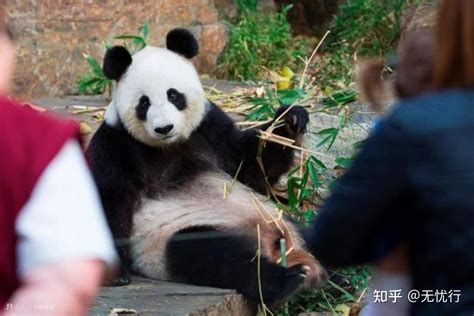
96	68
146	31
344	162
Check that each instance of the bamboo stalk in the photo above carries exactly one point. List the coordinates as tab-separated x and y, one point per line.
283	252
228	189
308	61
265	309
276	140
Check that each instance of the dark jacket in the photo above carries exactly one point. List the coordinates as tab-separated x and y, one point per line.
415	172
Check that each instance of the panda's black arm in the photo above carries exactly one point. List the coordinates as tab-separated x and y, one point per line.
234	146
118	206
116	179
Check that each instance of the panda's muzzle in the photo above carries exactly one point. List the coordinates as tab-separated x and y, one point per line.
164	130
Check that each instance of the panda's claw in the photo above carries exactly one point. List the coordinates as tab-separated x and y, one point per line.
122	279
296	119
295	275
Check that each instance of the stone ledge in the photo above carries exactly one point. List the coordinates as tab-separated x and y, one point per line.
150	297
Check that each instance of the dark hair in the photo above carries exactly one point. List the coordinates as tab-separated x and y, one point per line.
454	60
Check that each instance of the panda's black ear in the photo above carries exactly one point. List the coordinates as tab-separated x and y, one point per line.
183	42
116	61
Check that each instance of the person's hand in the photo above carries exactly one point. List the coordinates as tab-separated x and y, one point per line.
42	299
58	289
7	62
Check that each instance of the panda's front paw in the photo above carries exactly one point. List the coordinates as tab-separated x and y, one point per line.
296	120
122	279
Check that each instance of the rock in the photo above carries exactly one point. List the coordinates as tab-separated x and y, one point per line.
310	17
354	131
228	8
150	297
213	41
53	36
419	16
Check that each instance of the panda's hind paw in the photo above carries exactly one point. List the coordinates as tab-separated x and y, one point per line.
292	281
295	276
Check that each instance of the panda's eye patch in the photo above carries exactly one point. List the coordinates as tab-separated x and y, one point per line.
177	98
142	107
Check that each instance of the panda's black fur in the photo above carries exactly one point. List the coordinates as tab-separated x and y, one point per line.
128	171
182	42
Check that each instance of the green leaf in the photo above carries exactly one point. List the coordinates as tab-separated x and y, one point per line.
95	66
318	162
292	198
145	29
136	40
88	80
309	216
327	131
359	144
344	162
139	42
333	184
290	96
260	113
340	98
264	106
129	37
329	136
343	291
314	175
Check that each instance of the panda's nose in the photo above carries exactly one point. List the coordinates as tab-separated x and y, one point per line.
164	130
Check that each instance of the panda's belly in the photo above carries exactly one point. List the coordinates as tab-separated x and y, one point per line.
200	203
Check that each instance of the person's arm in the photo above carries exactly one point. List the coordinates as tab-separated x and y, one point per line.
345	229
63	239
64	288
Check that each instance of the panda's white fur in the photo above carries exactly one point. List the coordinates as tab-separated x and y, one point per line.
201	202
153	71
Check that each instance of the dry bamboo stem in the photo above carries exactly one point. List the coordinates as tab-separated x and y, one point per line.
308	61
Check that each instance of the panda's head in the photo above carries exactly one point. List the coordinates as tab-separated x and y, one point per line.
158	97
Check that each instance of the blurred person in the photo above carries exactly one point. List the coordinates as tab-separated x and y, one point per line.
414	64
413	77
54	240
415	174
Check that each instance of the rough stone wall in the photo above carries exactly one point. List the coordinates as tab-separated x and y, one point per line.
310	17
53	35
228	8
418	17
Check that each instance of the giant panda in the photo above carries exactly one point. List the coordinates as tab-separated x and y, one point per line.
161	159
